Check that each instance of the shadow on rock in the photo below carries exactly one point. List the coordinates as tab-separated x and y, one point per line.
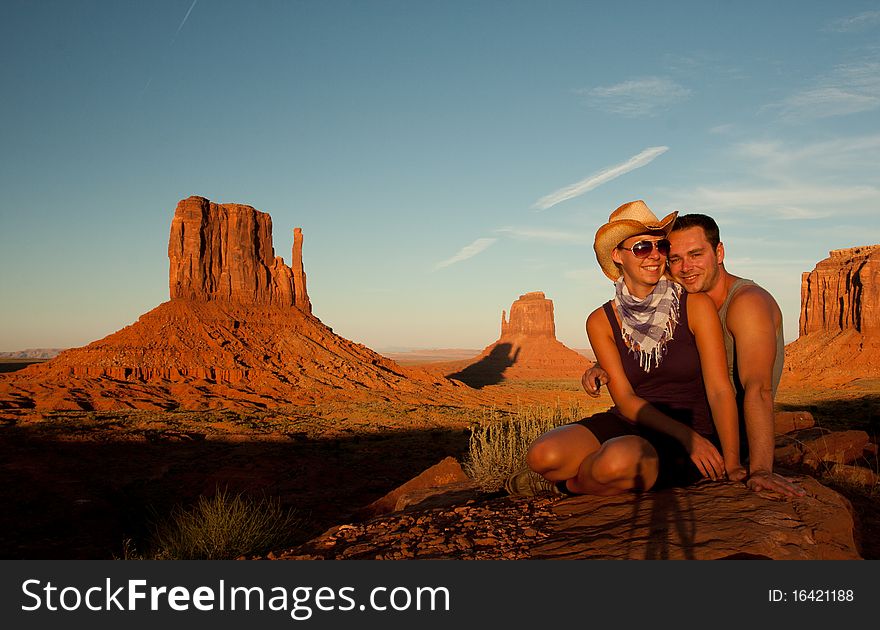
68	499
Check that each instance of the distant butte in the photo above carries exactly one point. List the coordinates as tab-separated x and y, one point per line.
224	252
238	332
839	320
526	349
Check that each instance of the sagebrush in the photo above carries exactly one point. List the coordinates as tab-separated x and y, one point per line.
498	444
225	526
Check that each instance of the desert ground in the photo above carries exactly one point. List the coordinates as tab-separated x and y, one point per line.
92	484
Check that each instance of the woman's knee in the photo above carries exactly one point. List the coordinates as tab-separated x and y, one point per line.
544	455
628	460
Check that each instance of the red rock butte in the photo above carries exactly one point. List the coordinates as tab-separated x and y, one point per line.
238	332
839	322
526	349
224	252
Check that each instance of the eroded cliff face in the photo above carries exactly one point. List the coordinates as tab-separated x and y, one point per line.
224	252
842	292
839	338
531	315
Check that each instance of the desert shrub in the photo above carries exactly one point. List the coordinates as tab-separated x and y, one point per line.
224	527
498	445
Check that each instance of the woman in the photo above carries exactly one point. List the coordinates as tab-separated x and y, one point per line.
664	354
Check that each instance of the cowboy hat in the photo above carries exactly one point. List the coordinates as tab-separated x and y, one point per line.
628	220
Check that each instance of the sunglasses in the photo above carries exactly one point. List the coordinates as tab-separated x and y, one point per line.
643	249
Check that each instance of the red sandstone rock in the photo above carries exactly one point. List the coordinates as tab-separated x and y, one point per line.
224	252
788	421
842	292
814	447
527	348
530	316
708	521
238	331
839	321
855	475
448	471
840	447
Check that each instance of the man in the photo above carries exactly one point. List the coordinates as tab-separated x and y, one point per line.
752	325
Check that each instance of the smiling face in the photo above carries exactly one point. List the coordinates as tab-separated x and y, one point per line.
692	260
640	274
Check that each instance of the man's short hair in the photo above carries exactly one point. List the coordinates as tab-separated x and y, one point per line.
710	228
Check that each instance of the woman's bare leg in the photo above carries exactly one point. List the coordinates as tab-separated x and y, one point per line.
623	464
573	454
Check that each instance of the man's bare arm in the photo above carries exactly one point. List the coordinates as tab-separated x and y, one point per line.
752	320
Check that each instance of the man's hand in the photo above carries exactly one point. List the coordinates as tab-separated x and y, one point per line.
593	380
763	480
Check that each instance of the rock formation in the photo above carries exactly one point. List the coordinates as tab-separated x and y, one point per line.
709	521
842	293
531	316
839	322
224	252
526	349
238	331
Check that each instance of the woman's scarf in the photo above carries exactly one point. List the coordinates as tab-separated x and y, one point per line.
647	324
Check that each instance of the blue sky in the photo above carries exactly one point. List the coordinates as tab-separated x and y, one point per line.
442	158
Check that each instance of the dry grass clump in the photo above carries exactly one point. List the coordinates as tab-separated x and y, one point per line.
224	527
498	445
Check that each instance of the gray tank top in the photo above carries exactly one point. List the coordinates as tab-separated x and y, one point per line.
730	347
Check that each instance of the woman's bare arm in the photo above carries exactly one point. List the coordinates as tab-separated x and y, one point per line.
703	453
704	323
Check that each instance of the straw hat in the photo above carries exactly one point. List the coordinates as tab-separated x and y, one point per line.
628	220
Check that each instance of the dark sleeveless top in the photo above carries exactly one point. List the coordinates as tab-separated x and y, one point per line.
675	387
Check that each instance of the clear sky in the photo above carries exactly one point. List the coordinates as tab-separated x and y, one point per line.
442	158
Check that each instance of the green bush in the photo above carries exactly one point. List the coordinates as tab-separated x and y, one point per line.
498	446
224	527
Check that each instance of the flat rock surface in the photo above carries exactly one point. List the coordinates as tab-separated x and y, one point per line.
707	521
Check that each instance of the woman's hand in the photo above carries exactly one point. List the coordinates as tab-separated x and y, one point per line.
736	472
705	456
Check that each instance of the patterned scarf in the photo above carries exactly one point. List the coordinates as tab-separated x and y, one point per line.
648	324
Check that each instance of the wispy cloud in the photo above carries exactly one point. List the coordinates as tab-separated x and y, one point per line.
539	234
847	154
722	130
848	89
468	251
599	178
636	98
788	182
799	200
852	23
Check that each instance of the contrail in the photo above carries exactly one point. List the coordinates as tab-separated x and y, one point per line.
173	39
468	251
597	179
185	18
